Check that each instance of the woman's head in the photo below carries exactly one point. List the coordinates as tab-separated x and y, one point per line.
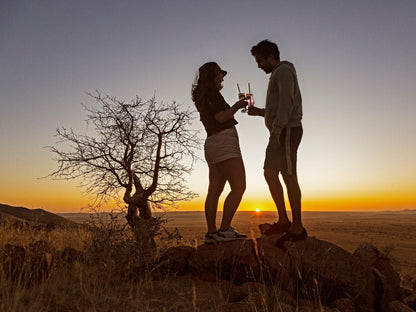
210	76
209	72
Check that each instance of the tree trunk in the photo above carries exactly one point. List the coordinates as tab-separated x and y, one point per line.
144	210
142	225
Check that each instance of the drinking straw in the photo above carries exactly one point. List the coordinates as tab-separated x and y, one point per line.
249	88
238	88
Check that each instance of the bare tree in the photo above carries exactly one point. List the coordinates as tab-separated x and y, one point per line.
137	152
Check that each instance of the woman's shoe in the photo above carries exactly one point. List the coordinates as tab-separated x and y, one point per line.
212	238
231	234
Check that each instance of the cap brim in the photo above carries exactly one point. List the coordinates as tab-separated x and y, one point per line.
223	72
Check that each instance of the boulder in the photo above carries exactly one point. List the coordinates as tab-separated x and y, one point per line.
310	270
175	260
235	261
387	280
277	267
332	272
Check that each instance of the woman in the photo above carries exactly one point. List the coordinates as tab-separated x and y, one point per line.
222	151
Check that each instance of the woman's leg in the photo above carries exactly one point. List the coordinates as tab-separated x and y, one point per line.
233	170
216	186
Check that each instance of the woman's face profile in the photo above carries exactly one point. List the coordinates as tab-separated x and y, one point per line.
219	78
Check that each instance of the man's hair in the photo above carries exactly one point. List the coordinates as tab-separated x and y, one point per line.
265	48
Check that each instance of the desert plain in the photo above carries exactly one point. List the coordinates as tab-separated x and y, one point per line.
392	232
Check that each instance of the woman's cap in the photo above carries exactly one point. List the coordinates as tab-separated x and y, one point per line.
210	69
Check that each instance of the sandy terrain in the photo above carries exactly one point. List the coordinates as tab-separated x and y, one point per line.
392	232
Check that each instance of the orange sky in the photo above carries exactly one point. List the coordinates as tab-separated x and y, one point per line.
63	196
356	79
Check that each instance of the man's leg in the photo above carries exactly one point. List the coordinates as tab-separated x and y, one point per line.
215	188
234	172
295	195
276	190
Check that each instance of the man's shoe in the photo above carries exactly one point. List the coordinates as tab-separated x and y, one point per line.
277	228
231	234
291	237
212	238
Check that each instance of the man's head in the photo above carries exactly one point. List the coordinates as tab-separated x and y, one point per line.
267	55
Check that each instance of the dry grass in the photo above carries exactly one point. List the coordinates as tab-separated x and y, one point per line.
114	276
111	276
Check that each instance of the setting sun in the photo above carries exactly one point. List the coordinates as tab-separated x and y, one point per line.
257	210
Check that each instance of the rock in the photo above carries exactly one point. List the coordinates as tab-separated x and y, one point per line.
175	259
277	267
264	227
310	271
398	306
235	261
343	305
386	278
332	272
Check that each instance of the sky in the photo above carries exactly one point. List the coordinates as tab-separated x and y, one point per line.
356	71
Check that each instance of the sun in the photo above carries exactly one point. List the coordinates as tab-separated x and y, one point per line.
258	210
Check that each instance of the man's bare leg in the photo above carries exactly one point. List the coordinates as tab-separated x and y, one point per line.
295	196
276	190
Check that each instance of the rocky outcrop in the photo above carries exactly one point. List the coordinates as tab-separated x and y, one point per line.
386	279
235	261
312	268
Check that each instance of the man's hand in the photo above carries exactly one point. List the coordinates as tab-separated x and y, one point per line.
255	111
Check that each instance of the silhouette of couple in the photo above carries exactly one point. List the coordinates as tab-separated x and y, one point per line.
282	115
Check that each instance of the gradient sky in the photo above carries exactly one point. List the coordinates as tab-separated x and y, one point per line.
356	69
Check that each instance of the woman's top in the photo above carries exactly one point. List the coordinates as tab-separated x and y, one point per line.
212	103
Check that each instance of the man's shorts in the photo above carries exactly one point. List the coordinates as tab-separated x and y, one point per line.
283	158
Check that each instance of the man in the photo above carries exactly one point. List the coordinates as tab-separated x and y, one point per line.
282	115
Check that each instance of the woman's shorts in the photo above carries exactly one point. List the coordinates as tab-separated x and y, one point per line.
222	146
283	158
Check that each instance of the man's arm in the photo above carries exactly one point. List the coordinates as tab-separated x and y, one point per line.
286	87
255	111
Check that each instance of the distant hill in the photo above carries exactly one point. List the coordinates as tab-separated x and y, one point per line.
32	216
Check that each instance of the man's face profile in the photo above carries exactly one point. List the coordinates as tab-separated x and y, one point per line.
265	64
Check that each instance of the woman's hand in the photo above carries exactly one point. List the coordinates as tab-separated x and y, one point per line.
240	104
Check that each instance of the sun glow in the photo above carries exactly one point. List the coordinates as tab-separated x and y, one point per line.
258	210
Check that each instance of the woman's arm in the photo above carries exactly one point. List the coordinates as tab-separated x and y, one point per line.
228	113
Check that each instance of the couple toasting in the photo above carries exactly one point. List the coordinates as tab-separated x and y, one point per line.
282	115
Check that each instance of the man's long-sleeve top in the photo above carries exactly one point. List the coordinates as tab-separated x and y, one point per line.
284	102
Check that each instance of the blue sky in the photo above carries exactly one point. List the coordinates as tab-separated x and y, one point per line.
355	63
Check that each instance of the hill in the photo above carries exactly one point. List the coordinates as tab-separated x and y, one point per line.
32	216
